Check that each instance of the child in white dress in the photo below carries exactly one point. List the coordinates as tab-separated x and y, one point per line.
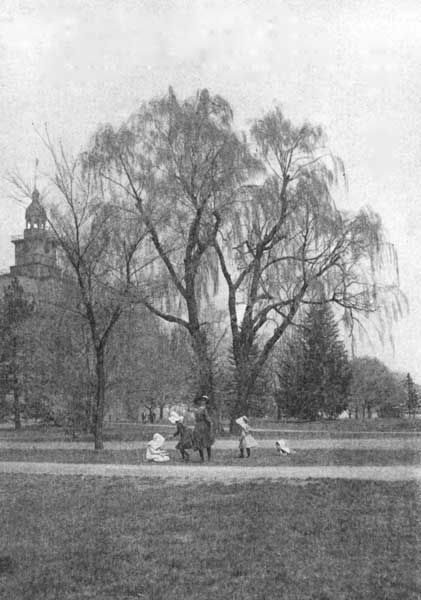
155	449
247	441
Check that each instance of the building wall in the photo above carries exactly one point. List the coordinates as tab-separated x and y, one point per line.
35	263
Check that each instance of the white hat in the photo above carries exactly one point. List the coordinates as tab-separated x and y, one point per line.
242	421
157	441
175	417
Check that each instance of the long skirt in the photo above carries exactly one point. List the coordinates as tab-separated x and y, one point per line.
203	435
186	440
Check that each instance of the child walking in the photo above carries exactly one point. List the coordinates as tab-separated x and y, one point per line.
186	441
247	441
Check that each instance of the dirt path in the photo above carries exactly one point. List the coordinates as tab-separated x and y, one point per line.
229	444
182	474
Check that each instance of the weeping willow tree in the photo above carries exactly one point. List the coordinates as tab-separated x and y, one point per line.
291	247
209	201
180	163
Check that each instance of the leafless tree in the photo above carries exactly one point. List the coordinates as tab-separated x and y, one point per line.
102	245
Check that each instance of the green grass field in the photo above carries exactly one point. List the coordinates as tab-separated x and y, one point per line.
343	426
80	538
260	457
138	432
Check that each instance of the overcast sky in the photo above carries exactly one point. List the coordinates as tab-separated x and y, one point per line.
352	66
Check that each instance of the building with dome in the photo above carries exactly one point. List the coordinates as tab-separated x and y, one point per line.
37	272
36	264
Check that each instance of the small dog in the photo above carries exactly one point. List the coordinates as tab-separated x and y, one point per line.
282	447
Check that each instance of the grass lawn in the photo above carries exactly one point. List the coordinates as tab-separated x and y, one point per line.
348	426
260	457
128	432
49	433
120	539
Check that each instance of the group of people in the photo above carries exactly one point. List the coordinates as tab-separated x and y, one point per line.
202	436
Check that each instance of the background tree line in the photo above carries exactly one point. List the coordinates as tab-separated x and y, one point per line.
316	377
47	372
47	364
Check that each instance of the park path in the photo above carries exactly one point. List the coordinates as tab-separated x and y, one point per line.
183	474
386	443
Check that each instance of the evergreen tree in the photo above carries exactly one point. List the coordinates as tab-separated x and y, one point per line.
314	374
16	309
289	397
412	396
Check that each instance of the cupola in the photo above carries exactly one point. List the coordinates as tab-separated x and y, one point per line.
35	215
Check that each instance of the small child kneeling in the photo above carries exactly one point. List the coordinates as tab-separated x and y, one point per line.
155	451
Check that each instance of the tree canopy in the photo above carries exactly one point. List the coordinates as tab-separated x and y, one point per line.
374	388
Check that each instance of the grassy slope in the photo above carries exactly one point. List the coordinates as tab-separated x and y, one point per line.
94	538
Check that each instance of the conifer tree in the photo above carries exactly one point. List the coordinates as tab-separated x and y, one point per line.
412	396
314	374
289	397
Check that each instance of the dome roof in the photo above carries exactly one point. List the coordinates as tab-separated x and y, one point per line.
35	213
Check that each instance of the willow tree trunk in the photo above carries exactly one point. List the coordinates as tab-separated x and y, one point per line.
206	375
244	382
241	405
205	366
99	399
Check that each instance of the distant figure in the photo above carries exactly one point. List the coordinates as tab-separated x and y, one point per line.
282	448
246	441
143	417
203	433
186	441
155	449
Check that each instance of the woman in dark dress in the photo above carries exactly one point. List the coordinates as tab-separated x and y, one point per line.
203	433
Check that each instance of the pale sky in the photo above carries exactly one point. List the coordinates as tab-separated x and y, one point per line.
352	66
